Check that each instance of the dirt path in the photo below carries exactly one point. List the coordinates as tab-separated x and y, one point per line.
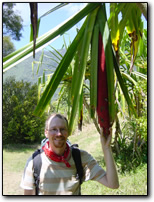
11	183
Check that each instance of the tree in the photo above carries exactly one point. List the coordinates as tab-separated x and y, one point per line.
8	46
12	22
19	123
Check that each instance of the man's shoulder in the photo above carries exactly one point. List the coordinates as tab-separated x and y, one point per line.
29	161
35	154
86	156
84	152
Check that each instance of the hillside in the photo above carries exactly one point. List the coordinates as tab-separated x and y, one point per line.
23	71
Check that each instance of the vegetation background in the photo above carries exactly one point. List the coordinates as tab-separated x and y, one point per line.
133	182
22	131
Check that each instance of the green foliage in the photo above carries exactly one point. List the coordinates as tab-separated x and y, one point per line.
12	23
141	123
132	148
130	184
19	123
8	46
15	156
132	142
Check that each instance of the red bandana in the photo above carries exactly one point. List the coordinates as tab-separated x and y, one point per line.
56	157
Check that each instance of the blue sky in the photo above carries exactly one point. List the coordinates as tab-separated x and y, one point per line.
48	22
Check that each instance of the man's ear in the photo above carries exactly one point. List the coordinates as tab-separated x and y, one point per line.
46	133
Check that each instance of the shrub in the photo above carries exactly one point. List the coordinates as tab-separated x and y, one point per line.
19	123
133	148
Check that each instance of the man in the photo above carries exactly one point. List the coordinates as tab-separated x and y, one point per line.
57	176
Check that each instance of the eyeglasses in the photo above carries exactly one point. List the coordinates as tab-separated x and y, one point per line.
56	130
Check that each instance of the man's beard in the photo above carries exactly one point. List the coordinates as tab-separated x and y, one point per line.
59	142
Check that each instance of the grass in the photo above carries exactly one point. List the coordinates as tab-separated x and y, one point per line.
15	157
130	183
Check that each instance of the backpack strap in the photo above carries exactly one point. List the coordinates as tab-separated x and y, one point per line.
37	164
77	159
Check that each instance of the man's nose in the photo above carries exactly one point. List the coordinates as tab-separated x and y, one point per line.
59	132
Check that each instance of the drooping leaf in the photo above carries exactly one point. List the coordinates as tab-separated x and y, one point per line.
93	70
80	119
114	25
54	9
44	40
134	28
58	74
39	87
126	10
34	17
84	53
122	85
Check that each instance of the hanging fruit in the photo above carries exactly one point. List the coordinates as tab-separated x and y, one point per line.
102	90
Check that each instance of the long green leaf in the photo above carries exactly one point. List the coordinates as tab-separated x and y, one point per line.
84	54
39	87
80	119
125	16
54	9
140	75
61	95
93	70
31	30
114	26
129	78
58	74
59	30
56	55
122	85
76	70
75	75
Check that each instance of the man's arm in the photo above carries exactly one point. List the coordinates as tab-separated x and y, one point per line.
111	178
29	192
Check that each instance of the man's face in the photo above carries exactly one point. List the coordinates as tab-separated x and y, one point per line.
57	133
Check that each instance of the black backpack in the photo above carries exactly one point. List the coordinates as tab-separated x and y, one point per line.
37	163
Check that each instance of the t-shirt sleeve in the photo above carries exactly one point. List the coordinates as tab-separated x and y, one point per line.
92	170
27	181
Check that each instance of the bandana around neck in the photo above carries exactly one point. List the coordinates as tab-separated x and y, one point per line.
53	156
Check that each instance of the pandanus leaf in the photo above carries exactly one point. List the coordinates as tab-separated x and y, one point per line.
11	59
93	70
58	74
84	53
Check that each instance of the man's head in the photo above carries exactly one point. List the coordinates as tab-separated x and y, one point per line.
56	130
47	123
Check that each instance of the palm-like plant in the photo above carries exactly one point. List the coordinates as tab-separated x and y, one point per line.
86	38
